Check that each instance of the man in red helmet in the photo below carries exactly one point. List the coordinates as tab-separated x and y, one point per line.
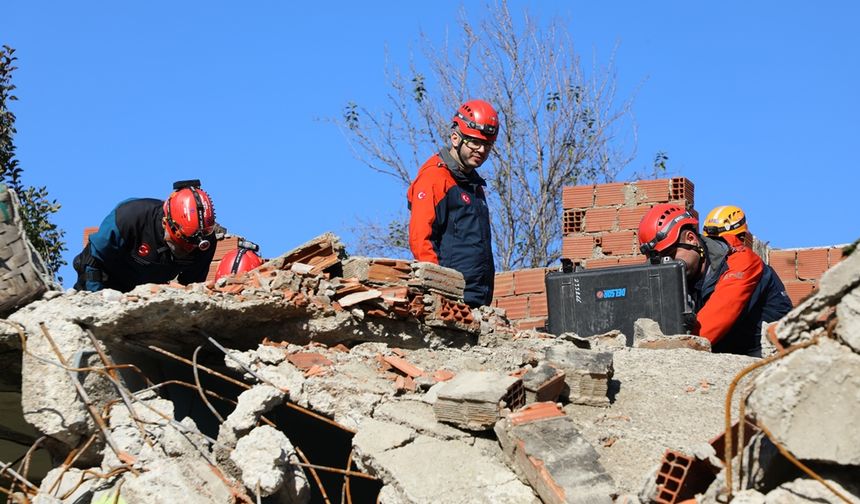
731	286
148	240
450	220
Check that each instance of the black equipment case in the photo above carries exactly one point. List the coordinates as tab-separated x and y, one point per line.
590	302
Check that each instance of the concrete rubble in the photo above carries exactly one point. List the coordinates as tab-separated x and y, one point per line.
320	377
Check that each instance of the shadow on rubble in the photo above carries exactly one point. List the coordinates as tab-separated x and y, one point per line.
322	442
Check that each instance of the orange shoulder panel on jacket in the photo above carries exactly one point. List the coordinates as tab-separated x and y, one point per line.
426	191
732	292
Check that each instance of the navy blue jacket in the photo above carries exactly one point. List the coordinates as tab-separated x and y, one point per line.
129	249
450	224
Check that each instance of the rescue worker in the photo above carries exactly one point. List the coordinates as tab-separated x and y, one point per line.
240	260
731	220
146	240
450	221
733	292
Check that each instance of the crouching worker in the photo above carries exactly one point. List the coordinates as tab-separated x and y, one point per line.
730	285
146	240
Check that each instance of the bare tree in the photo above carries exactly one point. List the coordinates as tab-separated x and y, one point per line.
559	126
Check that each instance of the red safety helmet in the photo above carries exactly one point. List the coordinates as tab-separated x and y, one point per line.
189	216
239	260
477	119
660	227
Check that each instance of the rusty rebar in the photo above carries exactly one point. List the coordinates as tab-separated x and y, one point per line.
244	385
7	468
200	387
314	474
117	383
121	455
728	418
787	454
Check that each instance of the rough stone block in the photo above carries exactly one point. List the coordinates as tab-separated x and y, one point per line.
587	373
473	399
551	454
790	399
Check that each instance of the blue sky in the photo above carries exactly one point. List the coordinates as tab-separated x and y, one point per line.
755	102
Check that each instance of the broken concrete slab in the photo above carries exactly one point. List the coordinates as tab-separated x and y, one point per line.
461	474
177	480
848	315
805	490
668	342
587	373
418	416
790	396
474	400
553	457
267	462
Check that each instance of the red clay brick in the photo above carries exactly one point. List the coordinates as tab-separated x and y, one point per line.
516	307
529	280
628	218
682	189
531	323
403	366
572	221
784	263
605	262
618	243
835	256
535	411
224	246
811	263
798	291
652	191
628	261
577	247
600	219
577	196
537	305
609	194
504	284
306	360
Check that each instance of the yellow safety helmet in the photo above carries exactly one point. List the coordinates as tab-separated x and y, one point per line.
725	220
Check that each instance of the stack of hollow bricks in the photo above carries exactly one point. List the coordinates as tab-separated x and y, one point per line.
599	226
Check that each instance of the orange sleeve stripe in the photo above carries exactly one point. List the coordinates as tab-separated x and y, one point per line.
424	194
731	294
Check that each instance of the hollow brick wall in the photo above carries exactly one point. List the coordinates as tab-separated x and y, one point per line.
599	230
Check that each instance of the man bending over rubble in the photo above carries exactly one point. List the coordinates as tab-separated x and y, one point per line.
450	220
733	290
147	240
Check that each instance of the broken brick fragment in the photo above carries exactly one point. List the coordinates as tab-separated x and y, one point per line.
403	366
306	360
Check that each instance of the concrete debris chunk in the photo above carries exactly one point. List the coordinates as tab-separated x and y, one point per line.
434	278
587	373
791	396
805	490
172	481
252	404
669	342
267	460
848	314
544	446
461	474
543	383
645	328
473	400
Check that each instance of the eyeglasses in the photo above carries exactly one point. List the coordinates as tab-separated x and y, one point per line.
476	143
